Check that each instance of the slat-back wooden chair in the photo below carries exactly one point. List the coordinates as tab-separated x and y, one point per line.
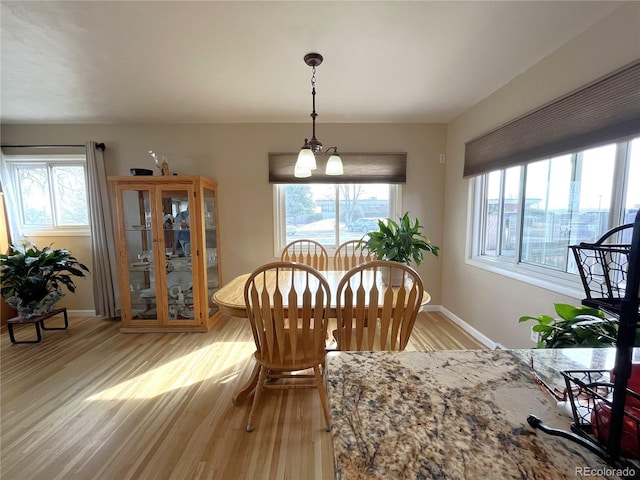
306	251
288	339
372	315
350	254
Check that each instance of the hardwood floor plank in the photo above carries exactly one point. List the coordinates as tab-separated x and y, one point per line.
92	403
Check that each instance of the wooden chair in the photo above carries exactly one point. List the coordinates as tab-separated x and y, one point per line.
306	251
288	340
372	315
351	253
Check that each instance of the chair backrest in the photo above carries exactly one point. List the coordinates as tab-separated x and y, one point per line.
292	338
306	251
372	315
351	253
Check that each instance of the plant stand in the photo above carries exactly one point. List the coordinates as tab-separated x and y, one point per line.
38	322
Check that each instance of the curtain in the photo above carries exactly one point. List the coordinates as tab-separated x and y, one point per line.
8	187
105	285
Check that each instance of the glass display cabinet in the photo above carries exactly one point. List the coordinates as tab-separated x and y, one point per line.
166	231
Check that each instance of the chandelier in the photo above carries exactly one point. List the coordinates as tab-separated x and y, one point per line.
307	156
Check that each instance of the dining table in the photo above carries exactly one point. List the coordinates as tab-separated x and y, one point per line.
230	302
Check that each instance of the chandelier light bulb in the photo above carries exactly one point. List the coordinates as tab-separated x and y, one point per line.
301	172
334	165
306	159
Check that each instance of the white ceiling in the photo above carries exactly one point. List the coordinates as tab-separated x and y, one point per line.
209	62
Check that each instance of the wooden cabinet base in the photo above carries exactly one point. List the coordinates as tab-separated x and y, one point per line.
174	328
163	329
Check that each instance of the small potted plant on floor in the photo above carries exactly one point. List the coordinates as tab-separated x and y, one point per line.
400	241
32	278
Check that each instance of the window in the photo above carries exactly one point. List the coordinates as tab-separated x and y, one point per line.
329	213
51	192
527	216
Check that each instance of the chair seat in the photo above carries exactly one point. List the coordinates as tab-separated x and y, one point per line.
304	357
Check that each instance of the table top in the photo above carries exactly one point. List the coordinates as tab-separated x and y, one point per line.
451	414
230	298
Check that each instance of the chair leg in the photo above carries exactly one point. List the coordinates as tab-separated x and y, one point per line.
262	377
323	396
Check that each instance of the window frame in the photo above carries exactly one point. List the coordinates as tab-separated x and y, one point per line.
15	163
545	277
280	222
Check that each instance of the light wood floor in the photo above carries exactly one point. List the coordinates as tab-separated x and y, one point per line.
92	403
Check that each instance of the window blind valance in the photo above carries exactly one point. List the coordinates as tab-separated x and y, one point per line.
358	168
603	111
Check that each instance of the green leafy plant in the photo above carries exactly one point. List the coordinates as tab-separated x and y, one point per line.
577	327
401	242
29	274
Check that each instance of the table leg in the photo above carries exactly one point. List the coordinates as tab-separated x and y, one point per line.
247	389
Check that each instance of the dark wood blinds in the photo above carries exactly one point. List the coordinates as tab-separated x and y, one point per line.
358	168
603	111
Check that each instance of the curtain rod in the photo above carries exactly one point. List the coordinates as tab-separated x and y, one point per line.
101	146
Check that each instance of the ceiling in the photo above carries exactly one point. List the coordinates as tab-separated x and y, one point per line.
213	62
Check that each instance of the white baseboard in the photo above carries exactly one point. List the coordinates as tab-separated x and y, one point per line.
431	308
471	330
81	313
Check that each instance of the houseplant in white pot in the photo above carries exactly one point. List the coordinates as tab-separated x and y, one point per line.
400	241
32	278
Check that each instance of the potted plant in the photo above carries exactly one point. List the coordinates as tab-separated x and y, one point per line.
577	327
400	241
32	278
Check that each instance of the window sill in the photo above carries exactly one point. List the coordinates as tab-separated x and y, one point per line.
562	284
59	232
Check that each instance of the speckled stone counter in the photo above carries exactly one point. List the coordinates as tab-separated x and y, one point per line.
448	415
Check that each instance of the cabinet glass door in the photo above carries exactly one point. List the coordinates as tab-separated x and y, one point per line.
141	264
176	247
211	247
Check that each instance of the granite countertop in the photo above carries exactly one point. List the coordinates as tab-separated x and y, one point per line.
451	415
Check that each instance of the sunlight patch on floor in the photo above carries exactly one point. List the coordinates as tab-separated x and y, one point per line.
183	372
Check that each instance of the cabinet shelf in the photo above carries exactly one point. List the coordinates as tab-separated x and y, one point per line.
170	291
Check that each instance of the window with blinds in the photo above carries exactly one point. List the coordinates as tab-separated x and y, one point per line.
602	112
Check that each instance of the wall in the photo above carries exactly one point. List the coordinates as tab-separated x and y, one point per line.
492	303
236	156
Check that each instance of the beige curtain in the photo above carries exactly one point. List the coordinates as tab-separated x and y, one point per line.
105	276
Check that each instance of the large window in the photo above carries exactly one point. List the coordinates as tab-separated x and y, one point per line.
51	192
331	214
527	216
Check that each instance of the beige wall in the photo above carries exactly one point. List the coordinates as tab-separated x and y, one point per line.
236	156
489	302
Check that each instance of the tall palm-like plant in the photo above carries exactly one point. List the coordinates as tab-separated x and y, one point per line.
29	274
